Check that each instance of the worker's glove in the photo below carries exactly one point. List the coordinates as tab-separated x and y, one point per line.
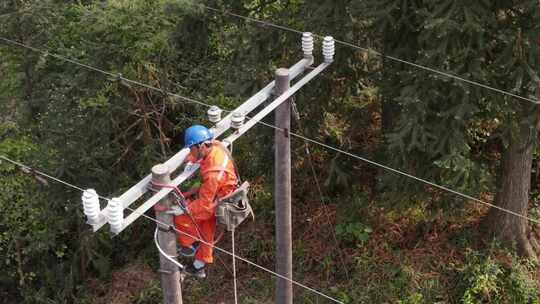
175	210
190	167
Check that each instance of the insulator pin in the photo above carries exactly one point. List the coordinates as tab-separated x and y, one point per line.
91	207
237	120
115	215
328	49
214	114
307	44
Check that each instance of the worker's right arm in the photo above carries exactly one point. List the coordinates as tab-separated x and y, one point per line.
203	207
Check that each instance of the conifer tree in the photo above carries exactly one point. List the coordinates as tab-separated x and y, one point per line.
445	123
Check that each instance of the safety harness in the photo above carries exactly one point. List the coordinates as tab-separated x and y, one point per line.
234	208
231	210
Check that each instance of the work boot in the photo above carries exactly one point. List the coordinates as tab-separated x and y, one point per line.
199	273
189	251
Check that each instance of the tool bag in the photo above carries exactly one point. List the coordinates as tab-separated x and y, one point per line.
234	208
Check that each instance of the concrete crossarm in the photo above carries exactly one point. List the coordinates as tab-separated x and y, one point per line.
257	99
158	196
274	104
229	140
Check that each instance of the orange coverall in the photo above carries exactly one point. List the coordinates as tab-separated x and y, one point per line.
218	180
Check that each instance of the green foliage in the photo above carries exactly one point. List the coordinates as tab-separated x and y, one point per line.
151	294
353	232
32	234
106	133
433	121
341	295
484	279
415	298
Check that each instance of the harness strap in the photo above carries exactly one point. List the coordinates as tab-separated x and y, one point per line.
228	152
224	165
221	169
174	188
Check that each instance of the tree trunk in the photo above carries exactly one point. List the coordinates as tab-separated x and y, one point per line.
513	195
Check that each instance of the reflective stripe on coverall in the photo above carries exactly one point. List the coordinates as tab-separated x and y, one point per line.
218	180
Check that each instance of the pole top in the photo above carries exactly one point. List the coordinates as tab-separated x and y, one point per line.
160	170
282	72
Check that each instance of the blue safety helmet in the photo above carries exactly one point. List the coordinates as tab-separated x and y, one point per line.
197	134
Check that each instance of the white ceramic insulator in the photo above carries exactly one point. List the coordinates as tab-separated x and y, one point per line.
214	114
91	207
237	120
329	49
115	215
307	44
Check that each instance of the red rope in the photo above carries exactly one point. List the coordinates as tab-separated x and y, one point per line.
177	191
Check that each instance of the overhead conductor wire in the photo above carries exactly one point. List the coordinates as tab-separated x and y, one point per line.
181	232
371	51
274	127
263	123
296	115
294	134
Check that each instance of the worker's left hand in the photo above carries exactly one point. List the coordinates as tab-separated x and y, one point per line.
175	210
189	166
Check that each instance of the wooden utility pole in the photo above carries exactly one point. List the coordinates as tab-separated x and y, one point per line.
282	192
170	274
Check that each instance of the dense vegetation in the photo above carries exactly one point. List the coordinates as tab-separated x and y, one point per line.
374	236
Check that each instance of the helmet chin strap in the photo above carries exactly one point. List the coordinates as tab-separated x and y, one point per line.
203	149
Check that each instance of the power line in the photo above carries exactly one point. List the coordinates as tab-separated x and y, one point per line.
266	23
30	169
400	172
414	177
241	258
345	43
116	76
372	51
178	231
296	115
263	123
120	77
8	14
274	127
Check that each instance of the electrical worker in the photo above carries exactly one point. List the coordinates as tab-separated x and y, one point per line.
218	179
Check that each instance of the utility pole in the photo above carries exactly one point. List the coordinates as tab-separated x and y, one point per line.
113	213
170	274
282	192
